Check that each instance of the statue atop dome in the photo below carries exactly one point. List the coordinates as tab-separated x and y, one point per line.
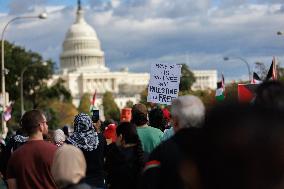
79	5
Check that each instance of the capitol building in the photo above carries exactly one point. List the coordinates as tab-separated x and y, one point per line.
82	66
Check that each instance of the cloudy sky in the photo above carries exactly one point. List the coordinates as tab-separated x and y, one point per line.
136	33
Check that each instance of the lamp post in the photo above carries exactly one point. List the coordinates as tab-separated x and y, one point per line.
243	60
22	83
41	16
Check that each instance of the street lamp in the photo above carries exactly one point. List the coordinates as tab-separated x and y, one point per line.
22	83
40	16
242	59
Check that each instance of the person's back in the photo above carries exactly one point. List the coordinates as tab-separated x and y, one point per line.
150	137
94	159
30	164
92	145
124	159
161	170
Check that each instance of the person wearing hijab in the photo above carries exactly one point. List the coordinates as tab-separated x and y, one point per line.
92	145
69	168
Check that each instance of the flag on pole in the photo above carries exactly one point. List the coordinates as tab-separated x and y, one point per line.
255	79
92	106
7	115
246	92
220	91
272	73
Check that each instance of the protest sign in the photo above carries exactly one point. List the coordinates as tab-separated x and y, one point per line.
164	83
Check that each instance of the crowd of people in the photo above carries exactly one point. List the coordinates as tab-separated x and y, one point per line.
232	145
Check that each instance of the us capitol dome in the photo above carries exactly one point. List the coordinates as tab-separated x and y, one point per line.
81	48
82	67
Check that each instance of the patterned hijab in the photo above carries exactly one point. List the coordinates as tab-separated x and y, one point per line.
84	137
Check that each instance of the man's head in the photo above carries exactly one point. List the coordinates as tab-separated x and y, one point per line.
34	121
187	111
139	114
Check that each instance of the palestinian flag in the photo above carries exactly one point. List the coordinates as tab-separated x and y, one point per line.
272	73
255	79
220	91
92	106
7	115
246	92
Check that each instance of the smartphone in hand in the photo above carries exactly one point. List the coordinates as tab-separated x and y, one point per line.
95	116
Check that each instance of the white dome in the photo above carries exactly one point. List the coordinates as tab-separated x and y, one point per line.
81	48
81	29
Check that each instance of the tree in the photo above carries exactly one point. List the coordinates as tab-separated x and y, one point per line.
261	70
54	92
206	96
65	112
111	109
84	106
231	92
129	104
16	59
187	79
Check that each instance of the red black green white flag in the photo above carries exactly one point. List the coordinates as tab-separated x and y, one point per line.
255	79
92	106
272	73
246	92
220	91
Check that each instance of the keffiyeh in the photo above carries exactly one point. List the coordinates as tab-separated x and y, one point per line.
84	137
59	137
20	138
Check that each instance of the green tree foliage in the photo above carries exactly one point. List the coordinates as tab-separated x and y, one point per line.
129	104
56	92
231	92
16	60
280	73
36	92
206	96
111	109
261	70
143	96
84	106
187	79
64	112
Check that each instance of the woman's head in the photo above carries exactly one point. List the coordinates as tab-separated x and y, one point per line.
58	137
84	136
127	132
82	123
69	166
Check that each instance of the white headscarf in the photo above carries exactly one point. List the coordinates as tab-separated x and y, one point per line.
68	166
59	137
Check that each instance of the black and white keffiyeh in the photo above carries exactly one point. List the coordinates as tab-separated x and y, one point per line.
84	137
20	138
